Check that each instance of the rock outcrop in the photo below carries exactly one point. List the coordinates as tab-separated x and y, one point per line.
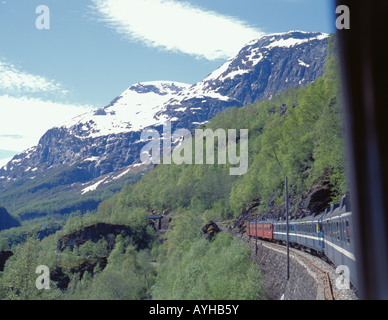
93	233
210	230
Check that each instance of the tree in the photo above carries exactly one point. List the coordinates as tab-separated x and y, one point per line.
19	277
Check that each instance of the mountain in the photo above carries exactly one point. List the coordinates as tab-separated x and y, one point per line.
101	147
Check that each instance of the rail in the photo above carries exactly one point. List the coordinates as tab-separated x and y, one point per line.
330	289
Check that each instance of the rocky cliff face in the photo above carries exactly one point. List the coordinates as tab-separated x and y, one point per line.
102	145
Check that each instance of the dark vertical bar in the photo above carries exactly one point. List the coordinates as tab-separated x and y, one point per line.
364	64
287	227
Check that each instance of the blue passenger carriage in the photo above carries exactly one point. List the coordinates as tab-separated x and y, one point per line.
303	232
339	241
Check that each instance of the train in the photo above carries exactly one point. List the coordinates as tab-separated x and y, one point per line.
328	234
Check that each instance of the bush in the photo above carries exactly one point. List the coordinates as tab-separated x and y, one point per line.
218	270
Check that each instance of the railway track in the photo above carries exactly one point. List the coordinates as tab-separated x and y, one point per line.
322	272
328	281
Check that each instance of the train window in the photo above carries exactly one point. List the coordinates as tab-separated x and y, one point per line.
347	232
331	229
337	231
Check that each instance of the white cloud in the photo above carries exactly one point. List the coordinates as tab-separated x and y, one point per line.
177	26
14	81
24	120
26	111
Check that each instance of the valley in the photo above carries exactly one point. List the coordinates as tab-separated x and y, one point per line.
85	179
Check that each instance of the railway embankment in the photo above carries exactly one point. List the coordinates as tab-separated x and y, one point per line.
272	264
310	278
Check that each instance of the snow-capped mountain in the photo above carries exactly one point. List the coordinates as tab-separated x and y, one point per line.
138	107
258	71
105	143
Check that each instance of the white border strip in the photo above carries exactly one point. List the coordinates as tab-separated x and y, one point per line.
341	250
331	244
300	235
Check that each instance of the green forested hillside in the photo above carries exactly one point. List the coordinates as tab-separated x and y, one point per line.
297	133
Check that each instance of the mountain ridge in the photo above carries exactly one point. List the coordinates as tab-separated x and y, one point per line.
106	142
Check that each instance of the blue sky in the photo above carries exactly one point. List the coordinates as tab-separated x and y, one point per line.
96	49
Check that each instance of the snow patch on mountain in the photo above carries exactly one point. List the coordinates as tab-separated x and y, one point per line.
92	187
135	109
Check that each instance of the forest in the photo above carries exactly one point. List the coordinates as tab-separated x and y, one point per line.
298	133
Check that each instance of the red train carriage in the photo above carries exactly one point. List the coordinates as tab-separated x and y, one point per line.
262	230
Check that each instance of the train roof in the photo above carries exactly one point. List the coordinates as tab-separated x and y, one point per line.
314	217
262	221
337	209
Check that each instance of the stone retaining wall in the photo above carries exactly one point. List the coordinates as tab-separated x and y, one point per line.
302	284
